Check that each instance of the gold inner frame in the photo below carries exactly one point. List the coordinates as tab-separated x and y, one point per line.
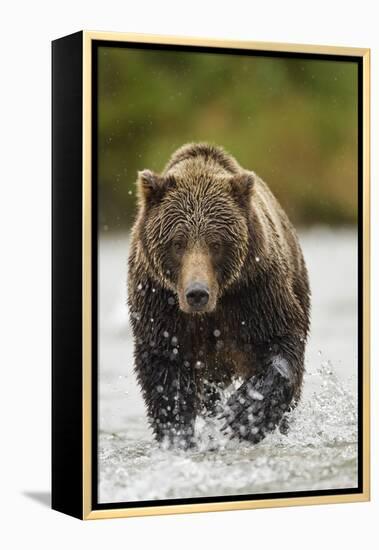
88	513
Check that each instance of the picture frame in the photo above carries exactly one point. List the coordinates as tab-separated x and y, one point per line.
75	276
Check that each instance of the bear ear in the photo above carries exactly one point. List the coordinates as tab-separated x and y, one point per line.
152	187
241	187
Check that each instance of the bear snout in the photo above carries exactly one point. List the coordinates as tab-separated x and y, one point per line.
197	287
197	295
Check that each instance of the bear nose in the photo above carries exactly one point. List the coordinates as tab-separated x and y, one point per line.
197	295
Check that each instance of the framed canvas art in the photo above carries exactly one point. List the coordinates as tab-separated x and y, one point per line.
210	275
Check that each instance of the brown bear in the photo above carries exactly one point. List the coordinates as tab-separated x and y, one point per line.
217	290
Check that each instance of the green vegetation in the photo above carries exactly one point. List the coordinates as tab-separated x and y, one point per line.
292	121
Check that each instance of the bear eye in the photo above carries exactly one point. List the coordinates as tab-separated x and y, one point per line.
215	247
178	246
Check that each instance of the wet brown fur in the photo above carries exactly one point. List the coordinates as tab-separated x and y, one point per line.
207	218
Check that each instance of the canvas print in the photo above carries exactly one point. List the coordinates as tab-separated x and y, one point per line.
227	192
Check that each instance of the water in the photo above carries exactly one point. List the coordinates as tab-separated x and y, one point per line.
320	451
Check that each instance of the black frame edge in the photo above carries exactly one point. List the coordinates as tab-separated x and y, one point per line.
67	131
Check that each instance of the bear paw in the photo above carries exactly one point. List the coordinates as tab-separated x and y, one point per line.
257	408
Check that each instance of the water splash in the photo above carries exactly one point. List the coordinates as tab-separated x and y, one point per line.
319	452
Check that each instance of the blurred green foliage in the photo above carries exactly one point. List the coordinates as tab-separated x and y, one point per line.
293	121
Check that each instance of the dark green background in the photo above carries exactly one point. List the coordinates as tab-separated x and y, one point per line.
293	121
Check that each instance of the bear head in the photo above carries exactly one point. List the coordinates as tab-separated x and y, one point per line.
193	226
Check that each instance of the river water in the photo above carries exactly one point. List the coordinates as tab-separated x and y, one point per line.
320	451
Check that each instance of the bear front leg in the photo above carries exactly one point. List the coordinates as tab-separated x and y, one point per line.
169	392
258	406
